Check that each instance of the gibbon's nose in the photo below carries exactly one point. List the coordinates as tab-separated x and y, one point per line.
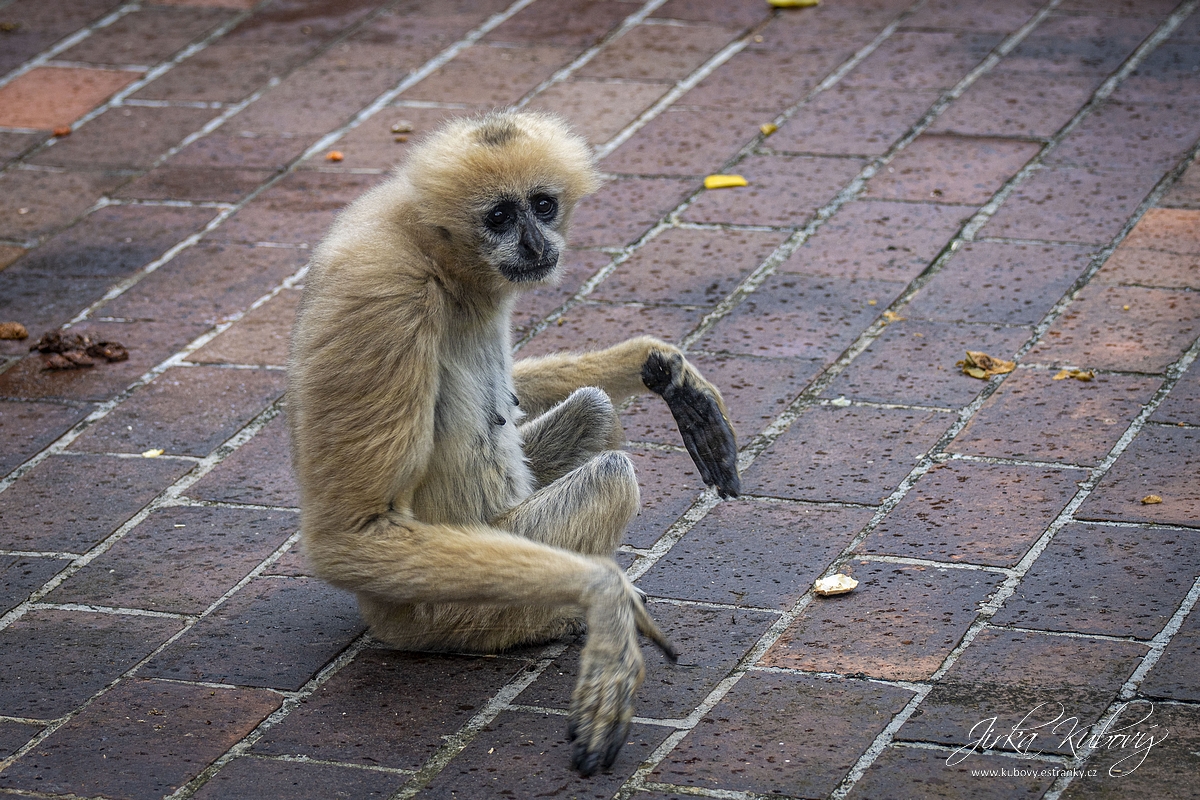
533	244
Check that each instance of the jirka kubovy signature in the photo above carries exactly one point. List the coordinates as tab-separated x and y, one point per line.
1025	735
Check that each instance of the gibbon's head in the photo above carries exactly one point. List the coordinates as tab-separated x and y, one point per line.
502	187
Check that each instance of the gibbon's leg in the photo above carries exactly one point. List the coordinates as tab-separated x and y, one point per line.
585	511
397	560
571	433
632	367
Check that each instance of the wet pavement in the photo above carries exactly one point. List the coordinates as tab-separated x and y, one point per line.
1011	178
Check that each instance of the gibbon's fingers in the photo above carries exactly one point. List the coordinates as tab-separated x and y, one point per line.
705	430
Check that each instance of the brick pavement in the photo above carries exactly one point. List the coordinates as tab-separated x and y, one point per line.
1008	177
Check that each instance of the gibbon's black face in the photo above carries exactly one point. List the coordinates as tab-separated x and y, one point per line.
521	235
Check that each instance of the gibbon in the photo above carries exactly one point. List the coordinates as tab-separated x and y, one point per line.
472	503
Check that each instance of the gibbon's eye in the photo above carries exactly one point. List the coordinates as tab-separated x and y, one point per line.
544	206
498	217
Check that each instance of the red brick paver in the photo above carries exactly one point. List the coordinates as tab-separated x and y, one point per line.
948	175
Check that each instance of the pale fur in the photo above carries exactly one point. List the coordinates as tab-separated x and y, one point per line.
452	531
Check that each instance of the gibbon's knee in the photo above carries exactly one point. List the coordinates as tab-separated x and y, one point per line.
587	510
570	433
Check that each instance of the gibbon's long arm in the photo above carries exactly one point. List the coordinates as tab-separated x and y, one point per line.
634	367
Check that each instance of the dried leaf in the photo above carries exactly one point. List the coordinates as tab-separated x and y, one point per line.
768	128
793	3
62	130
834	584
892	316
1151	499
334	155
982	366
155	453
1078	374
724	181
13	330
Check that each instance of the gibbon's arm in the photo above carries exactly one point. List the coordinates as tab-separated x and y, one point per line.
362	387
633	367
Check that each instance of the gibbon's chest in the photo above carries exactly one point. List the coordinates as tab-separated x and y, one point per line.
478	469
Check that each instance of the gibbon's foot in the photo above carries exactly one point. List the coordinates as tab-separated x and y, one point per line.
610	672
706	433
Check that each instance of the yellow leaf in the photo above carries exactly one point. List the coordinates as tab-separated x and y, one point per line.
724	181
892	316
334	155
1151	499
155	453
768	128
1078	374
793	3
975	372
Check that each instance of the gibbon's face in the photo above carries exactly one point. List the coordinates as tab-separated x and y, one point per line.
520	235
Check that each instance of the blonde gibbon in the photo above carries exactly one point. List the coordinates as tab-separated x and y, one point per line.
473	503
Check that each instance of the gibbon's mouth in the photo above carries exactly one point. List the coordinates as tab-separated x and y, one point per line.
526	272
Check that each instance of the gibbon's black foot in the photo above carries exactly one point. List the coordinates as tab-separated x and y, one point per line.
705	431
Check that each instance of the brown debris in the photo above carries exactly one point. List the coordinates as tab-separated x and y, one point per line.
982	366
62	130
64	350
13	330
1151	499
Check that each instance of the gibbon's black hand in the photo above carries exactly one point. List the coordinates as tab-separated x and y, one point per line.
705	431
